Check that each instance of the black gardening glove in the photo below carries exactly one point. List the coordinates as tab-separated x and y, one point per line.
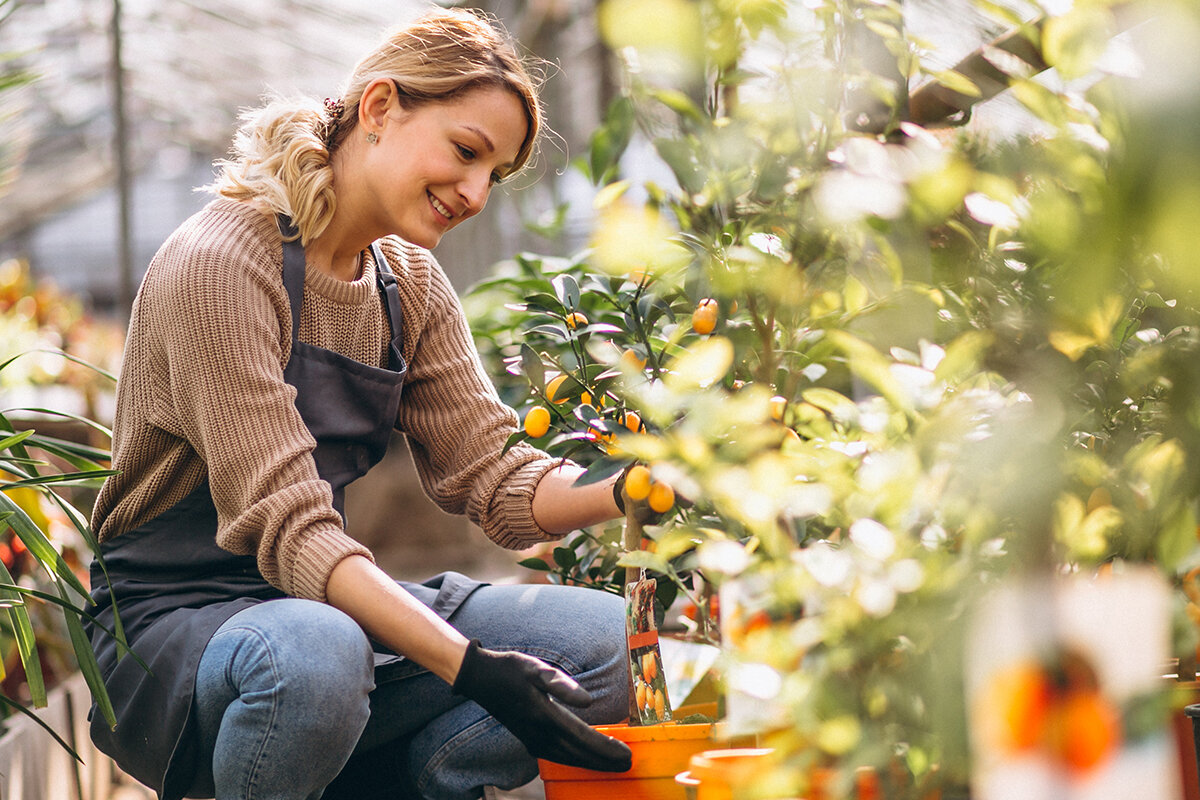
517	690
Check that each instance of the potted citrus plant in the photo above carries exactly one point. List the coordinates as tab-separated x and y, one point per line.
889	365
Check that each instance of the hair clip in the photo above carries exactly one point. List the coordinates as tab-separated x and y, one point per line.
333	115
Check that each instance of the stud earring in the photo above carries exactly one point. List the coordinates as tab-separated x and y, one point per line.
372	137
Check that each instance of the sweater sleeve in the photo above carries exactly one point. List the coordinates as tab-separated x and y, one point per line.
225	332
457	427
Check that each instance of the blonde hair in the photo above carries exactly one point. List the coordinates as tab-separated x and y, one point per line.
281	153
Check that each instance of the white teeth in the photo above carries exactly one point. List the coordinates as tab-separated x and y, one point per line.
441	209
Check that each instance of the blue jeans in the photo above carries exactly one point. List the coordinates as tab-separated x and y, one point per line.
286	694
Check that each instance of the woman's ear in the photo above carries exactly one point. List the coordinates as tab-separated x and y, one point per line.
379	98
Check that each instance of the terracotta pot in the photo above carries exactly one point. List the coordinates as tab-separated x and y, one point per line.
660	752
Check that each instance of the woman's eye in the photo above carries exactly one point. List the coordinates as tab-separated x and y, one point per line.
465	152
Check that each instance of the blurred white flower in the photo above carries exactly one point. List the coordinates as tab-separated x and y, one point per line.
723	556
826	564
873	538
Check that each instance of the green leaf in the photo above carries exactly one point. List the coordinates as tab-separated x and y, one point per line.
22	630
566	288
532	366
601	469
78	478
51	412
86	659
565	557
514	437
23	710
643	560
1176	538
10	441
1040	101
678	102
828	400
39	545
535	564
80	456
102	372
680	157
956	82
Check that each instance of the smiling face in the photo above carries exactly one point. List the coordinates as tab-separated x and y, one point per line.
435	164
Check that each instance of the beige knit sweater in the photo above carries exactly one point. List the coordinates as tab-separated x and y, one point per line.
202	395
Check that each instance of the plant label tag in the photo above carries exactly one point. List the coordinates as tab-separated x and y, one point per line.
649	703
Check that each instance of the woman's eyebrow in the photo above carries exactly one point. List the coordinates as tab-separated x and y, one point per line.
487	142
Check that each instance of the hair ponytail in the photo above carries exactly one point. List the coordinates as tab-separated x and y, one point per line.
280	158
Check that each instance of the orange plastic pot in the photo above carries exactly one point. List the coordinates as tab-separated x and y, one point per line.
728	774
659	753
718	773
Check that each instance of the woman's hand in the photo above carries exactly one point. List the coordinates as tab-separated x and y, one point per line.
521	692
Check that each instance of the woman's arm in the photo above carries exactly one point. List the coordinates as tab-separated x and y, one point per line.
391	615
559	506
524	693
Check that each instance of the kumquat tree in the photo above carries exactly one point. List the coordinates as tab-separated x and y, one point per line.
877	362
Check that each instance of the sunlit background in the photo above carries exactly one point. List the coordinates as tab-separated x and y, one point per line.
189	67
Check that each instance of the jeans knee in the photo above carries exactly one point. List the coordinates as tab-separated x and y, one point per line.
301	650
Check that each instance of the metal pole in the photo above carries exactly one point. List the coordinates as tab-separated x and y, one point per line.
124	179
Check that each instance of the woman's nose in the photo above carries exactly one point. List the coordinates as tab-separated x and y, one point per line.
474	191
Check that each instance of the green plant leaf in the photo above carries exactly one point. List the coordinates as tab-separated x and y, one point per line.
601	469
16	439
678	102
86	659
23	710
533	368
565	557
39	545
65	415
22	631
75	478
534	564
642	559
566	288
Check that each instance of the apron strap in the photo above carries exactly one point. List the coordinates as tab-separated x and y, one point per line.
387	284
293	282
293	269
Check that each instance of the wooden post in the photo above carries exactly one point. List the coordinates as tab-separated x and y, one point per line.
121	164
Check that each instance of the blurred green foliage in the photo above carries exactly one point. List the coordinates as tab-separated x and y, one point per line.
940	357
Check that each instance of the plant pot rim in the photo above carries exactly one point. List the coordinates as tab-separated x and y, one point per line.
659	751
663	731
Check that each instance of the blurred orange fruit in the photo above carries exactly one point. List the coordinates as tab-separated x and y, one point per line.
1021	698
1084	730
704	318
661	498
633	361
576	320
637	483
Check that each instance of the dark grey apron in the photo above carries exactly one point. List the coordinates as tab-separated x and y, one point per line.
174	586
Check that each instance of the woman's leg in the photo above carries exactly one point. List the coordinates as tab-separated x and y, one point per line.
454	747
282	698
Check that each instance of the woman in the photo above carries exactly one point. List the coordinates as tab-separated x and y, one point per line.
278	337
